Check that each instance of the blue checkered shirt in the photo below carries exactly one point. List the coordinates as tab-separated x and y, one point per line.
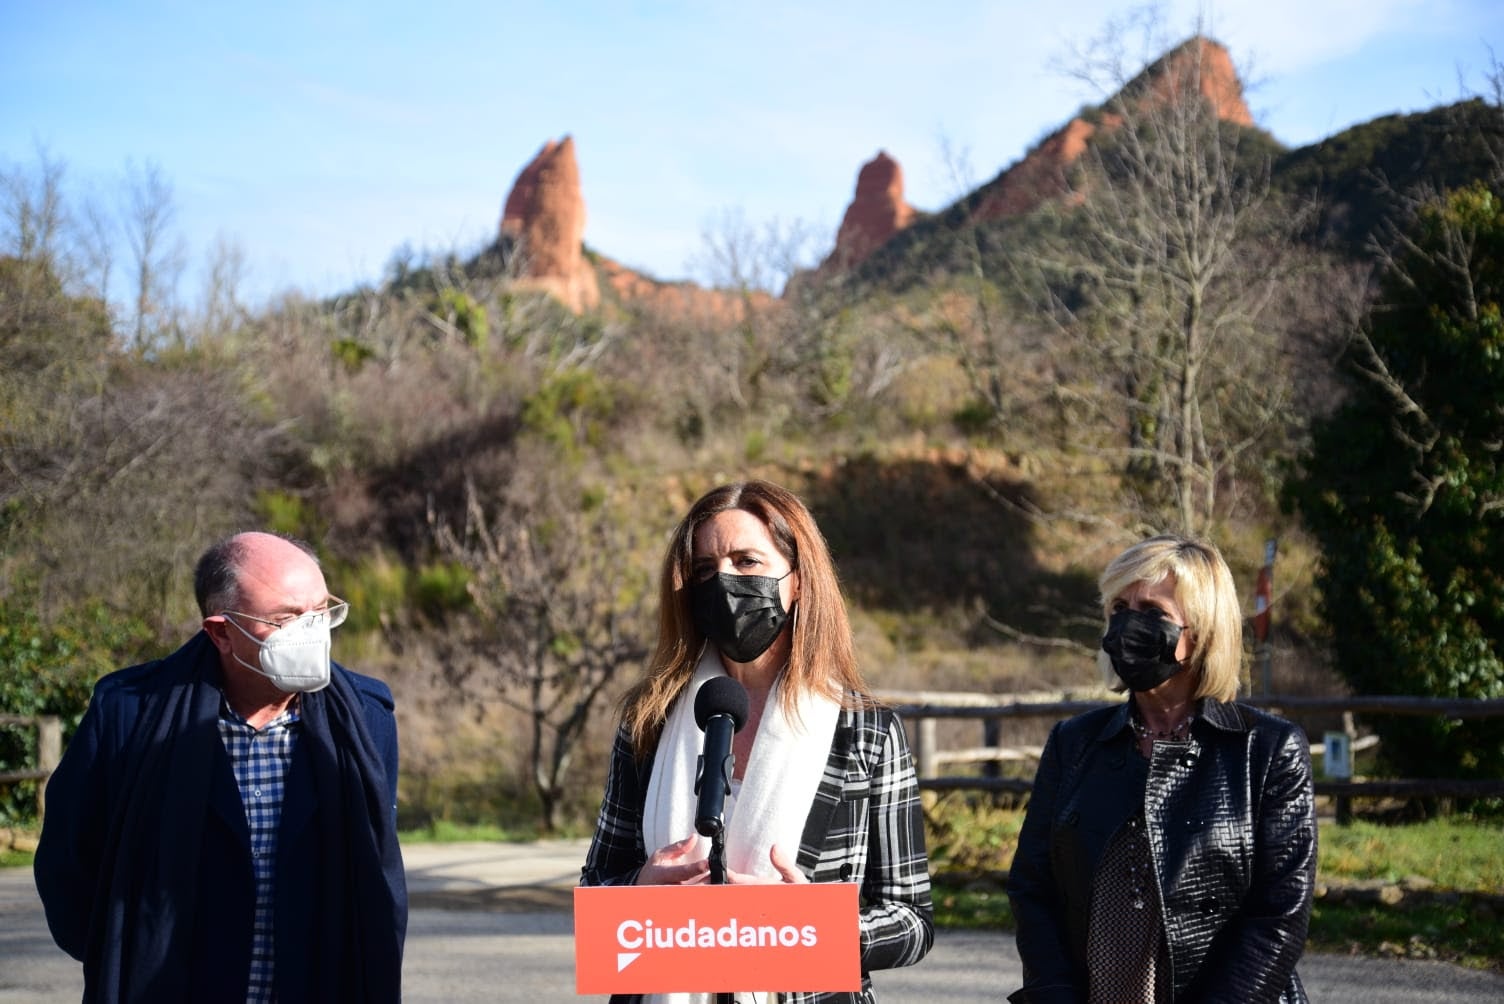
260	760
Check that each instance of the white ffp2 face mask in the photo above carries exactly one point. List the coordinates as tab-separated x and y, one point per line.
295	657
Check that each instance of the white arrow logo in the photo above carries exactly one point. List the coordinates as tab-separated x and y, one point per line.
625	959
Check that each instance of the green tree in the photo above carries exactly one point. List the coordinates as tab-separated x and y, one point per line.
1404	489
50	669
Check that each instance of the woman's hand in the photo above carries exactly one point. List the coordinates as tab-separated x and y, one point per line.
788	871
672	865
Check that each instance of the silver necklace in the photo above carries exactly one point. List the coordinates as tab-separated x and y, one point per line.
1177	734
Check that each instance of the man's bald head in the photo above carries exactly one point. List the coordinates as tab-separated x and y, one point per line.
216	579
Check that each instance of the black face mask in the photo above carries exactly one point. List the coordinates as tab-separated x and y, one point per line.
741	614
1142	648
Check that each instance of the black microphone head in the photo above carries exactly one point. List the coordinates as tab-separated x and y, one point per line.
721	695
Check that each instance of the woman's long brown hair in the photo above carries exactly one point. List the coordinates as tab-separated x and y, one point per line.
822	659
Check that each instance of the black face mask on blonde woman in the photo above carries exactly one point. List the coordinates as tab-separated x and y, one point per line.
1141	646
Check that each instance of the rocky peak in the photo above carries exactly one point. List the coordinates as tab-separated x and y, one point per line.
545	215
875	214
1198	63
1041	175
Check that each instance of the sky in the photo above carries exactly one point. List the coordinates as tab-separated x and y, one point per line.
320	137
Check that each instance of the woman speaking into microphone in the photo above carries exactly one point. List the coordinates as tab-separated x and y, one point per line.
822	788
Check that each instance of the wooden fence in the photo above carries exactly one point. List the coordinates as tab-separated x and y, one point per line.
923	709
49	752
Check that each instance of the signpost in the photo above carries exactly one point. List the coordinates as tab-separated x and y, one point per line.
1263	600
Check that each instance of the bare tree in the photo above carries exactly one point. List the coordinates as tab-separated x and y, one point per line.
1169	271
738	254
98	232
33	211
788	342
222	310
35	223
156	256
740	352
972	325
111	480
561	604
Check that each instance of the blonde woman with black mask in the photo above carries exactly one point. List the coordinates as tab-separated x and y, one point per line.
1169	848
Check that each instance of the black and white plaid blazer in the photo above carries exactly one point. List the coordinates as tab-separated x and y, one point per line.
865	825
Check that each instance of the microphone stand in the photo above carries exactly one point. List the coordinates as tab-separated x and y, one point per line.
718	854
718	877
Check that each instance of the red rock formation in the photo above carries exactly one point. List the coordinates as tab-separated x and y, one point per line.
682	301
545	213
876	213
1041	175
1202	64
1198	63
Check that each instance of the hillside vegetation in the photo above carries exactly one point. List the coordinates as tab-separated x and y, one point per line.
978	418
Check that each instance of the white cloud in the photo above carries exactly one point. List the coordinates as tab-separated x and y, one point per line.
1291	36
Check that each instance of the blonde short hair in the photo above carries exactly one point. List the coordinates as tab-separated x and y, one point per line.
1206	595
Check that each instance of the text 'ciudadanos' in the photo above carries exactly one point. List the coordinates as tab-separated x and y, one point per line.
713	938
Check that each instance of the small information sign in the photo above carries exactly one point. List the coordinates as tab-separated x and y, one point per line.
1337	762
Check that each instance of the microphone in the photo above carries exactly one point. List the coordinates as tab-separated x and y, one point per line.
720	711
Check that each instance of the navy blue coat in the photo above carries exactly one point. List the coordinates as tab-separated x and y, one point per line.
192	919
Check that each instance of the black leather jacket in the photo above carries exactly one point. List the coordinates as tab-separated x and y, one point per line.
1232	831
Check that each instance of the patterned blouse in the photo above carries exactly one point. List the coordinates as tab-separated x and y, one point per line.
1125	942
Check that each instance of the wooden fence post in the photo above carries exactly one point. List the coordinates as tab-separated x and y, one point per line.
1344	805
992	737
925	754
49	755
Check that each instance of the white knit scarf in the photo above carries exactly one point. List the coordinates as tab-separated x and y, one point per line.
777	790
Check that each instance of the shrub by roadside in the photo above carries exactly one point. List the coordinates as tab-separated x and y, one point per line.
1429	890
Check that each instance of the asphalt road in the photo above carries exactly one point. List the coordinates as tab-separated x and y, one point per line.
491	923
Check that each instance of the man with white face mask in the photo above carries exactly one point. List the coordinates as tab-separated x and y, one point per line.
223	825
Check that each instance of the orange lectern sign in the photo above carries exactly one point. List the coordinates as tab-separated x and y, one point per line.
712	938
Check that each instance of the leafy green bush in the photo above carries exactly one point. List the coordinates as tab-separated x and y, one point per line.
1403	488
284	512
50	669
571	410
381	589
467	316
441	588
755	449
351	354
376	586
